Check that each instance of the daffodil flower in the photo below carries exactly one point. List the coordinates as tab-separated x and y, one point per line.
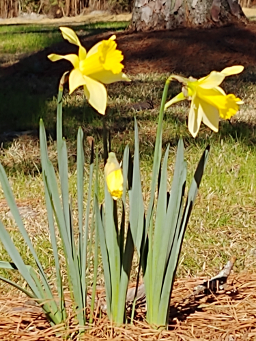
114	176
208	100
102	64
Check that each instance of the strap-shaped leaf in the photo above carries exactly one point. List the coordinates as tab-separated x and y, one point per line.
66	236
86	231
63	173
157	156
15	285
104	253
62	160
125	275
113	250
160	246
125	167
48	303
178	238
8	265
17	260
136	216
174	210
146	258
16	215
44	158
80	189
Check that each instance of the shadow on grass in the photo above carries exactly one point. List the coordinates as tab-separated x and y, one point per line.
28	87
28	91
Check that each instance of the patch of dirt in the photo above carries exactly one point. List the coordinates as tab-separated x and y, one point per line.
189	51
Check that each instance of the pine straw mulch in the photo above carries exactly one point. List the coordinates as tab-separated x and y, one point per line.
229	315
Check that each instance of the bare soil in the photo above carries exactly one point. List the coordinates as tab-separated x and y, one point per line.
189	51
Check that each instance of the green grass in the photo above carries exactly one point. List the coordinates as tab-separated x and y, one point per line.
223	220
29	38
24	43
28	94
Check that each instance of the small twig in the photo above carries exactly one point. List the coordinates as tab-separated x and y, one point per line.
216	283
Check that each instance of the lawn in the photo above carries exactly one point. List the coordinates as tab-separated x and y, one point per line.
223	220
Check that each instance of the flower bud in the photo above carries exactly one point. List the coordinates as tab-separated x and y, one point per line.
114	176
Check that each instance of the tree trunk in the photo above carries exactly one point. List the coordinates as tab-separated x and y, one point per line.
8	8
170	14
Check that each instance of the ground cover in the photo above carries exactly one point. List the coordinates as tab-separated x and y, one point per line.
223	221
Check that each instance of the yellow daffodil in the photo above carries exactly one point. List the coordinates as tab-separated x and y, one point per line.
208	100
114	176
102	64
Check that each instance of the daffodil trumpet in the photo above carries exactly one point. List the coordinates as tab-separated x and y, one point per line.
100	65
209	102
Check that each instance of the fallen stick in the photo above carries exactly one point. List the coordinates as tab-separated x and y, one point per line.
216	283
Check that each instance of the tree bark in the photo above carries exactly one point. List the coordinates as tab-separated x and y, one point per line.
169	14
8	8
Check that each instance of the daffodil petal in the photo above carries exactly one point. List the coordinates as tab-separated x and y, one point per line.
76	79
86	92
218	88
232	70
115	183
70	35
72	58
113	176
210	95
93	50
108	77
212	80
240	102
226	104
112	164
96	94
180	79
82	53
210	115
176	99
194	117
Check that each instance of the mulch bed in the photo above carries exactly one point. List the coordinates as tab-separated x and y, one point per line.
229	315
